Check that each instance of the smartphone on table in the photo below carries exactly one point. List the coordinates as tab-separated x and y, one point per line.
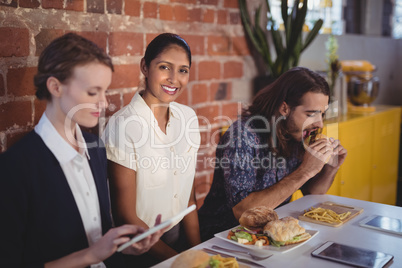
351	255
382	223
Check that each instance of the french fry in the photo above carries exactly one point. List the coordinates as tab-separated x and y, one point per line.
326	215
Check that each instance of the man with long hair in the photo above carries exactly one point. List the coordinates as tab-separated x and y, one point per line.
264	157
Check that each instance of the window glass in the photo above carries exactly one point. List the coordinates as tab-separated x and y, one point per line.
397	20
328	10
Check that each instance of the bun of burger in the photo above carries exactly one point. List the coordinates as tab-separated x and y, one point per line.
285	231
190	259
200	259
313	136
257	217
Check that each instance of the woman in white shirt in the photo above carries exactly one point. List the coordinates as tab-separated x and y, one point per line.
152	146
54	196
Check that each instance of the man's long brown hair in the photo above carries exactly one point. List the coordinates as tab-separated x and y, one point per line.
290	87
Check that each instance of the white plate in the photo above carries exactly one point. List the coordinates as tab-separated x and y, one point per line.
223	235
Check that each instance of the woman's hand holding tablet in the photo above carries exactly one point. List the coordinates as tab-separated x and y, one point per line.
156	228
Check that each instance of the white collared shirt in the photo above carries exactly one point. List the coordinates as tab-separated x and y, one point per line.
79	176
164	163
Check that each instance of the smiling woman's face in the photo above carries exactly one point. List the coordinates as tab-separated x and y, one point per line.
167	76
308	116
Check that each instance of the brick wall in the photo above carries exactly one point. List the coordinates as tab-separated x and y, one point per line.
222	67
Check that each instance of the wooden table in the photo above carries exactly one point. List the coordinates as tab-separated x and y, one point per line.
350	233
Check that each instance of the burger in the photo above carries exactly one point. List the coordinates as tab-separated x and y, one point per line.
257	217
285	231
200	259
310	136
252	222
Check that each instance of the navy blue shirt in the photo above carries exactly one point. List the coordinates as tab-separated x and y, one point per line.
244	164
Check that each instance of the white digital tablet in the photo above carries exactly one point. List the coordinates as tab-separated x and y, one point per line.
382	223
350	255
157	227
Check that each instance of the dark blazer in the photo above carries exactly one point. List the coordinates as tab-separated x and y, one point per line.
39	219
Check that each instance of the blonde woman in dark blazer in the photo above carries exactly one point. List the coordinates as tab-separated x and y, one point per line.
54	195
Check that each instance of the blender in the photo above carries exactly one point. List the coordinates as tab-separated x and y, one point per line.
362	85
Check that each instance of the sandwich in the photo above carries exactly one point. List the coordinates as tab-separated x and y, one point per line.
257	217
312	136
200	259
285	231
252	222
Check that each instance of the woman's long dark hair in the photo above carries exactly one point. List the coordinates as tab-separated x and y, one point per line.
290	87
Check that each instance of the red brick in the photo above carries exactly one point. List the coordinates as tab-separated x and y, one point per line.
193	72
99	38
232	110
29	3
127	97
206	157
114	104
17	44
20	81
76	5
196	43
209	2
233	69
165	12
234	18
14	137
202	184
218	45
114	6
222	16
150	10
57	4
12	3
125	76
132	8
183	98
209	70
150	36
216	134
208	15
15	114
231	3
199	93
122	43
44	37
96	6
240	46
205	138
194	15
184	1
180	13
220	91
208	115
2	87
39	109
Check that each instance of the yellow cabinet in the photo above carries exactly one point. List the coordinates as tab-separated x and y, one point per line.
385	157
370	171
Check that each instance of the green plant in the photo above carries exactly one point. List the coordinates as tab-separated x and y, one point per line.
334	66
289	44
